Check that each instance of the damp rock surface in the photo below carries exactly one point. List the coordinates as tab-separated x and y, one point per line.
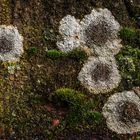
24	109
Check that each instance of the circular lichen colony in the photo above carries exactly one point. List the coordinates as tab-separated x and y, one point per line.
11	43
101	72
99	31
122	112
5	45
100	75
98	34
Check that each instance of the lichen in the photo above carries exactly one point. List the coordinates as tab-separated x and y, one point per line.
100	75
11	43
98	31
69	30
122	112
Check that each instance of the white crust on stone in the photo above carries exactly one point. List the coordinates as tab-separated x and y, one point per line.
69	30
11	34
110	112
112	45
73	33
96	87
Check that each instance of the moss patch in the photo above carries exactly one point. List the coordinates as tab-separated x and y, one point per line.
129	65
130	36
76	54
80	109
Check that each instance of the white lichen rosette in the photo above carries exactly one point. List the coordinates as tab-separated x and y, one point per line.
99	31
100	75
70	32
119	119
11	43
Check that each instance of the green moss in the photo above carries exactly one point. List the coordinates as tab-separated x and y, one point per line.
53	54
76	54
130	36
129	64
138	138
80	108
66	94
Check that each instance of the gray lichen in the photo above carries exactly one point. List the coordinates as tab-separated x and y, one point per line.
70	32
122	112
11	43
100	75
98	31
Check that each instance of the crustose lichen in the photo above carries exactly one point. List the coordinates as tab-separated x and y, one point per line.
11	43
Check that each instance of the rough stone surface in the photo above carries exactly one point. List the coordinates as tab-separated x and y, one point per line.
100	75
119	119
11	43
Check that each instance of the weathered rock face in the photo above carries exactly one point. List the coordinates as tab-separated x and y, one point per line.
29	11
38	22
